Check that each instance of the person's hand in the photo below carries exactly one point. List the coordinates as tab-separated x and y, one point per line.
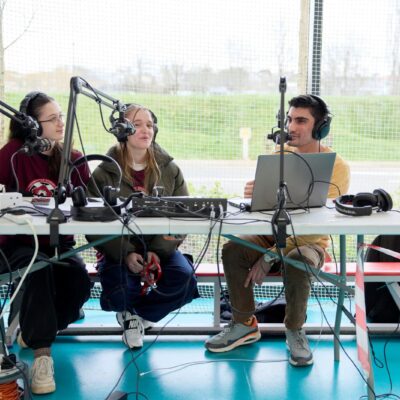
134	262
151	255
257	273
248	189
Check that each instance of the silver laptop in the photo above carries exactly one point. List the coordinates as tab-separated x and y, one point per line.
307	177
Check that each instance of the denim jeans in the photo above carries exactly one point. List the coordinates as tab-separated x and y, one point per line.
122	289
238	259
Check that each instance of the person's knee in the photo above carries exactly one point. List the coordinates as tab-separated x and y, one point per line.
231	251
311	255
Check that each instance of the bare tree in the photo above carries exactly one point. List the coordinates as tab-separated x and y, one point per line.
395	73
2	5
3	48
171	77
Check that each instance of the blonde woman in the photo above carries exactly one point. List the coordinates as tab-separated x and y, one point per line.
144	166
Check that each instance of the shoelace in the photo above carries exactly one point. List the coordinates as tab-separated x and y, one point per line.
227	329
300	342
45	367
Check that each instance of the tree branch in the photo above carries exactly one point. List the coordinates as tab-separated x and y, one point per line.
21	34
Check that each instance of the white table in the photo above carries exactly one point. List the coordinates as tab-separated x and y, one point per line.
317	221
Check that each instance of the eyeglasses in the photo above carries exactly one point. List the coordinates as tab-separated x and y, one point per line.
57	118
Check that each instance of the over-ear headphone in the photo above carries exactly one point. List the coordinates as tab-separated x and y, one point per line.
121	132
363	203
24	105
321	128
79	199
80	210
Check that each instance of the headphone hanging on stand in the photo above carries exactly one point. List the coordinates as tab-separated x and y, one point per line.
362	204
109	210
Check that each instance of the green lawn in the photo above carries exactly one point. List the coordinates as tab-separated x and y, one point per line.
207	126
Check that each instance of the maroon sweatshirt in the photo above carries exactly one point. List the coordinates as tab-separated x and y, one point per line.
33	173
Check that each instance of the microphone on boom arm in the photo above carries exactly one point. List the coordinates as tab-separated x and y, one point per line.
121	128
276	131
38	145
33	143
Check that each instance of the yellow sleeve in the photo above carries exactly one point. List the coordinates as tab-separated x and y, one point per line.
340	178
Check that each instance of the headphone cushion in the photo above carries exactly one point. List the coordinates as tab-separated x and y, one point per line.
24	105
322	129
365	199
78	197
110	195
384	200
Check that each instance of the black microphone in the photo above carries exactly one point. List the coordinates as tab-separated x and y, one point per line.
276	136
121	127
35	146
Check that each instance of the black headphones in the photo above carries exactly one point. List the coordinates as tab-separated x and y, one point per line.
121	128
79	198
24	105
363	203
321	129
80	210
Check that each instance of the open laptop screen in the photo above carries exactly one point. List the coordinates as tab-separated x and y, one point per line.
307	177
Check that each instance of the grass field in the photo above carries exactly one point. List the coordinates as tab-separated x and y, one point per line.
207	126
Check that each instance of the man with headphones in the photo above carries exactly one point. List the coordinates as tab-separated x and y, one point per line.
308	121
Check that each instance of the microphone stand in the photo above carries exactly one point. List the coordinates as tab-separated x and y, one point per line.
281	217
77	86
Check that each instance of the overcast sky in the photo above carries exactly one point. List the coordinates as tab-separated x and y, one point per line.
107	35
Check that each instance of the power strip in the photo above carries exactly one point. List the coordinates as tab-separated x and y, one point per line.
10	200
18	219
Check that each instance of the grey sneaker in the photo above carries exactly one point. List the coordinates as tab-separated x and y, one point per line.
133	329
233	335
297	344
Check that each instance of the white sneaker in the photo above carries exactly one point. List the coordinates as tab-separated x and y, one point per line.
42	376
133	329
147	324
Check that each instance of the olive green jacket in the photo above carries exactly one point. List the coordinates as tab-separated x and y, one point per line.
174	184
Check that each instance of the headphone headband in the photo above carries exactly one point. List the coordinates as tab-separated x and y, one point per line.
23	107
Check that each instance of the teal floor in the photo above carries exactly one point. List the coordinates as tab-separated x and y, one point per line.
179	368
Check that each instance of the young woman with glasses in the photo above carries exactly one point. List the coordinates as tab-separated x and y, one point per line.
52	296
